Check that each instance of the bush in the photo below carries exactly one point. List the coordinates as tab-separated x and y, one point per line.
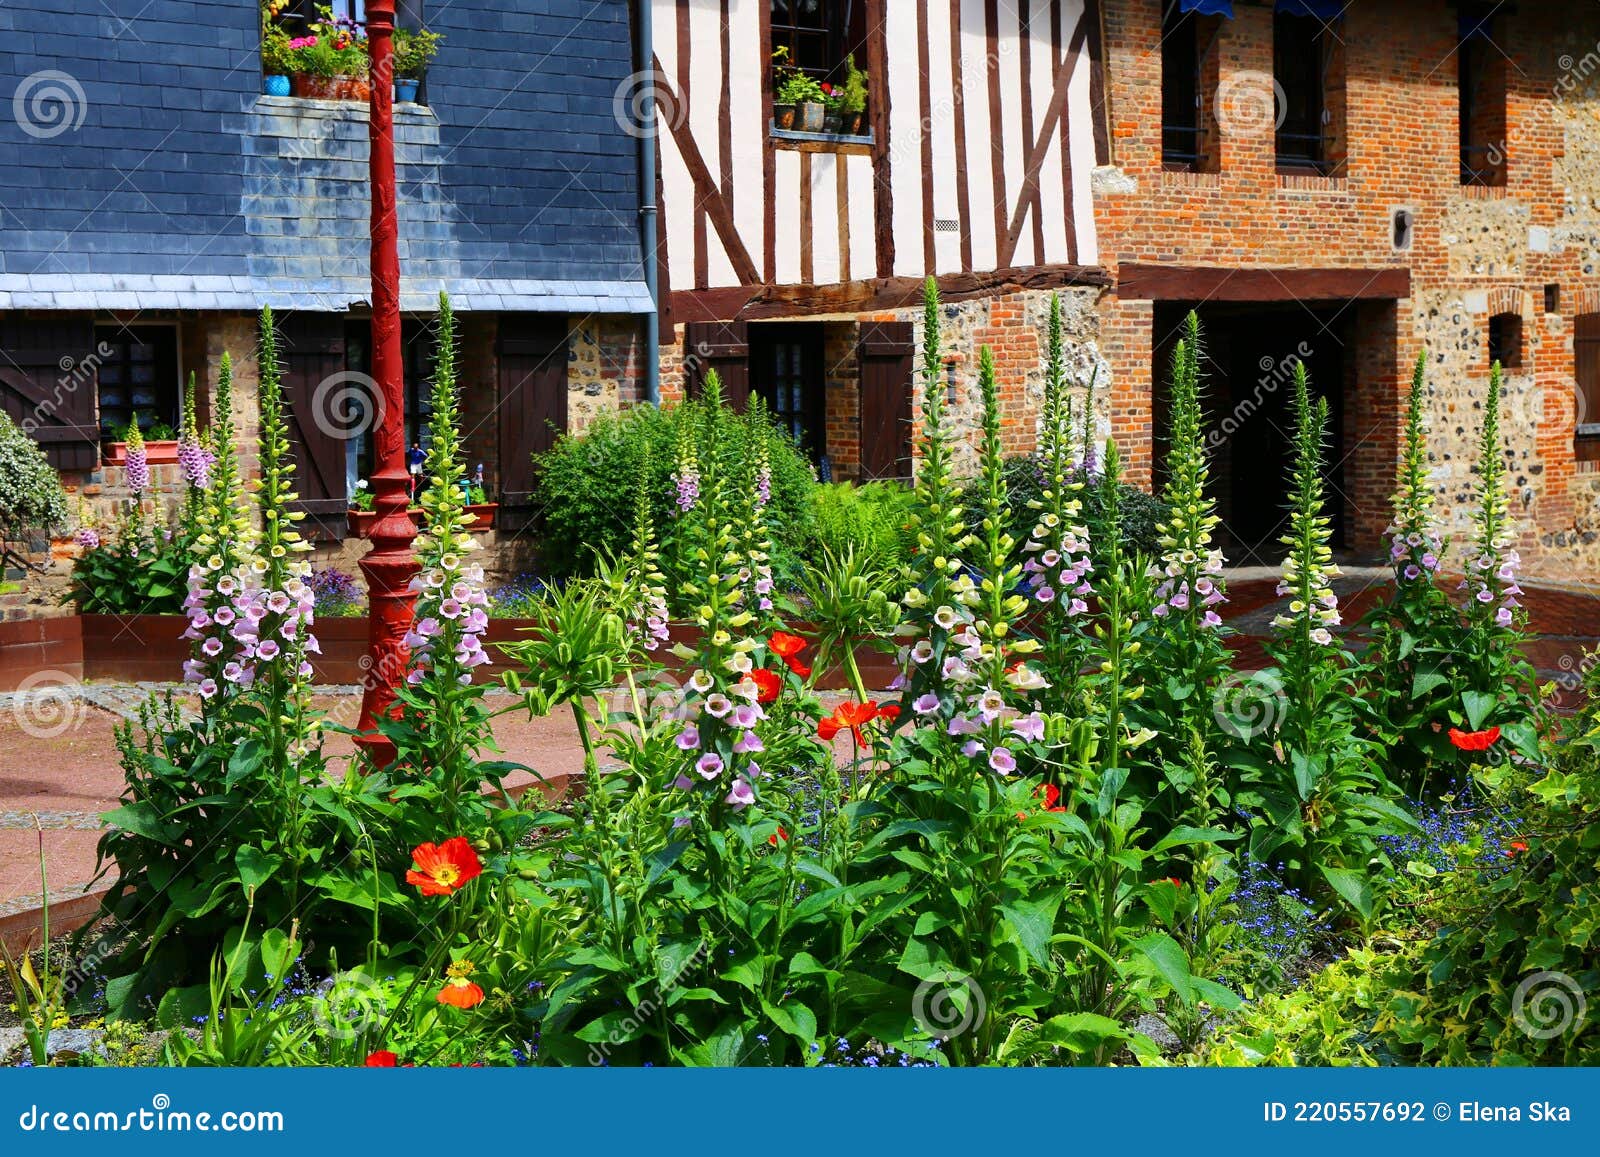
140	570
877	520
338	595
31	497
1138	513
589	483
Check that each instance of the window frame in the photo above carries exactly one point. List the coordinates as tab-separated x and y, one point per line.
169	406
1505	339
806	422
1315	157
1481	66
1180	44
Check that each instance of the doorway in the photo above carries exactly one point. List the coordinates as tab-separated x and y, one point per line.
1249	354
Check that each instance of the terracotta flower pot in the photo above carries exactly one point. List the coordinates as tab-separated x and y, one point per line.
361	522
783	116
309	87
155	453
483	513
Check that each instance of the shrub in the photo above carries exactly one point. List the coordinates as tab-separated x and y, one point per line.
1138	514
877	520
31	497
338	595
138	571
589	483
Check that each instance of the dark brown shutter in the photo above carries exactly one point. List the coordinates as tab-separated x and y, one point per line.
723	346
885	355
47	385
311	350
1586	347
532	414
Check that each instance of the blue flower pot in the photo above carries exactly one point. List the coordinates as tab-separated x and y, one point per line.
406	90
277	86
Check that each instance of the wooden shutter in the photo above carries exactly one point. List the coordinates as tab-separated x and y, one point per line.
532	413
723	346
47	385
1586	347
885	355
311	350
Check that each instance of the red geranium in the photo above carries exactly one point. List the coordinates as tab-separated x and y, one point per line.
1474	740
850	717
382	1059
444	868
767	684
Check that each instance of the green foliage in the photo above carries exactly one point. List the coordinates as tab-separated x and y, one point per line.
876	520
139	570
31	497
1139	514
413	51
853	98
589	485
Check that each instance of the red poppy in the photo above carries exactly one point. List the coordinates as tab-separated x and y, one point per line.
780	834
889	712
458	991
850	717
382	1059
444	868
1052	798
1474	740
788	647
1516	848
1174	881
767	684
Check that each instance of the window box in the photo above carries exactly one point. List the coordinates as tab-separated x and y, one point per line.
308	87
155	453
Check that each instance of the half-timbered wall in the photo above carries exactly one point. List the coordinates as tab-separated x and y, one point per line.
983	141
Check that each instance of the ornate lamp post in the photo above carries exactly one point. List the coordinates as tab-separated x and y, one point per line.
391	563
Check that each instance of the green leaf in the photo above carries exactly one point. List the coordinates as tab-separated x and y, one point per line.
144	819
1181	836
277	953
793	1018
245	761
1034	923
926	960
1477	705
1352	886
1079	1032
616	1027
811	868
662	861
1425	680
255	867
1170	961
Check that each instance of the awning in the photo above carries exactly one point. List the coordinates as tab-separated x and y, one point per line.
1207	7
1322	9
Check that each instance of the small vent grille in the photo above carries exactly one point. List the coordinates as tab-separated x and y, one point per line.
946	225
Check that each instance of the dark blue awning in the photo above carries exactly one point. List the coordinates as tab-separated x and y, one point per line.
1207	7
1321	9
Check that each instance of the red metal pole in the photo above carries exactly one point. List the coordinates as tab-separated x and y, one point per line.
391	563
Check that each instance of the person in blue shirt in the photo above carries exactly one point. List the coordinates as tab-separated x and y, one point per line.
414	460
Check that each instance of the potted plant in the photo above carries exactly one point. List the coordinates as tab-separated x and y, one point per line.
478	505
852	99
362	516
160	444
830	108
277	58
782	70
330	62
807	97
412	53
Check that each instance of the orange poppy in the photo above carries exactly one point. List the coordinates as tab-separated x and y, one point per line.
850	717
1516	848
382	1059
444	868
780	834
458	991
767	684
788	647
1474	740
1052	798
889	712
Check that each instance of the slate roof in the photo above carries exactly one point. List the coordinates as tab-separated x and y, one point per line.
142	169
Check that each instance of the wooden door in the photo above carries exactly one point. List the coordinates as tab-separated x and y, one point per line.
312	352
885	357
532	358
723	346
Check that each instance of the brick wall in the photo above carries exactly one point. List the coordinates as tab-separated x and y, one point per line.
1475	251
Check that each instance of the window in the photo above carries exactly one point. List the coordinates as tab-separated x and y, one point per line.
418	341
1308	68
1505	340
1586	347
786	370
1180	91
821	35
138	379
1481	77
